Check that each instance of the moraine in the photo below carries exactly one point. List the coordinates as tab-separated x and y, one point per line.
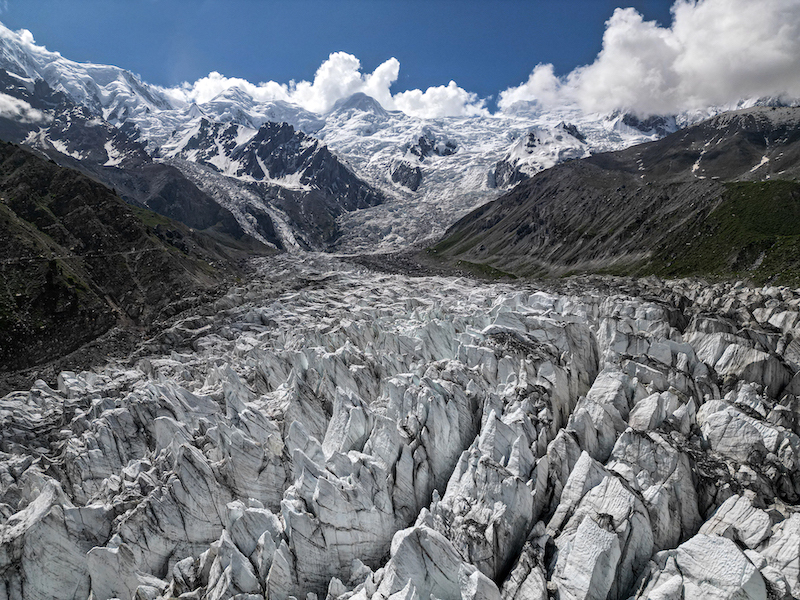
328	431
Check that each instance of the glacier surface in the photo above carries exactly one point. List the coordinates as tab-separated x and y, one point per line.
326	431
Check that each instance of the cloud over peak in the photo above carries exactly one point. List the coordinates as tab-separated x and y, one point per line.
339	77
716	52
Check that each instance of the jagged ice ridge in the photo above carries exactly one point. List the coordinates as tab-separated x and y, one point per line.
326	430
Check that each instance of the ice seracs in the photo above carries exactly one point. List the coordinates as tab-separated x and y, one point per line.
324	430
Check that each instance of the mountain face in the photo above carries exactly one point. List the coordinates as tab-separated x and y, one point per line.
539	150
109	92
76	138
415	176
92	118
719	197
288	176
76	260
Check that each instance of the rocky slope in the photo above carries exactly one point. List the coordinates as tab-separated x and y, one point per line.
74	137
77	260
328	432
292	178
718	198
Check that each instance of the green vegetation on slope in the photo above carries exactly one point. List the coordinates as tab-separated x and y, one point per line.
75	260
746	230
754	232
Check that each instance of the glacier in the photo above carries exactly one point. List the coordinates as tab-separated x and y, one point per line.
327	431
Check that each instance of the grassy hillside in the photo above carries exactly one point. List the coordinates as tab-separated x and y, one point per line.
720	200
754	233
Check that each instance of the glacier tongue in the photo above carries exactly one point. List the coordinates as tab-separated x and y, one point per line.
324	431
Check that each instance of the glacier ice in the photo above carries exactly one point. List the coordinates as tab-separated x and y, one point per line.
328	431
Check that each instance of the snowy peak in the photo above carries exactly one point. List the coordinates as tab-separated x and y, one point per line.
654	127
358	116
194	111
76	134
541	148
207	142
109	91
757	143
359	102
234	95
278	111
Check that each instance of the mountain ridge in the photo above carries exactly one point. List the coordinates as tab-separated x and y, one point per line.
77	260
621	212
375	144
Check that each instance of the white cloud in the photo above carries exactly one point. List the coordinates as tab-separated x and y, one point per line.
716	52
337	78
207	88
19	110
440	101
378	83
26	37
542	86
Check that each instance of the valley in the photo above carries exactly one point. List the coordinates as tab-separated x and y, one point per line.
253	351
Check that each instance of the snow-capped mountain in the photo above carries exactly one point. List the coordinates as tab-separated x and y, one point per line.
381	179
108	91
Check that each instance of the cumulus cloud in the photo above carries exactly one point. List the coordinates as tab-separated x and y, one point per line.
26	37
19	110
211	86
716	52
337	78
542	86
440	101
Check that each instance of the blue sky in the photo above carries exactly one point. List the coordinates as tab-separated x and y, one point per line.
485	46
